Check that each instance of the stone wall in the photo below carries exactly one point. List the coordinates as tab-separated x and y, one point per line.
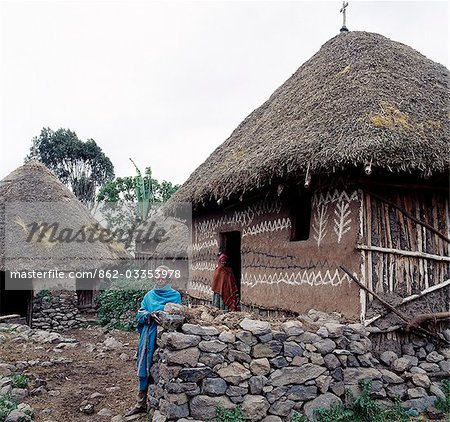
274	369
56	310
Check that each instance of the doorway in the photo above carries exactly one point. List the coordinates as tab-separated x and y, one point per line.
16	301
230	244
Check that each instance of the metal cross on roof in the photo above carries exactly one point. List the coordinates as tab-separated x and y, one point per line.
344	6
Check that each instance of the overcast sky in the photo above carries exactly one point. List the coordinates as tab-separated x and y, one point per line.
166	82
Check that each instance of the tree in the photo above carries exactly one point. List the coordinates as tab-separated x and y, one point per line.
127	201
81	166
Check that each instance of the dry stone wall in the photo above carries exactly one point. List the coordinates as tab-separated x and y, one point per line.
56	310
273	371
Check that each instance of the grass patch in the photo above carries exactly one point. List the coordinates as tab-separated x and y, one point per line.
19	381
444	404
233	415
7	405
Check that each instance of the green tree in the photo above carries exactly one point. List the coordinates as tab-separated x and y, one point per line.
126	201
81	166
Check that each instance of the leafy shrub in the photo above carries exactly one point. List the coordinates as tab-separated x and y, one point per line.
233	415
444	404
19	381
119	303
7	405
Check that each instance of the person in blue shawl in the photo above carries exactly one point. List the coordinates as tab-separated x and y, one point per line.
147	319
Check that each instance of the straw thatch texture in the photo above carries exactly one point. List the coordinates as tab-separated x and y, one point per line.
362	98
32	193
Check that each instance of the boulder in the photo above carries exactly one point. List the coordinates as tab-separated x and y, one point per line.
212	346
178	341
204	407
234	373
199	330
292	328
295	375
187	357
257	328
214	386
260	366
255	407
324	401
267	350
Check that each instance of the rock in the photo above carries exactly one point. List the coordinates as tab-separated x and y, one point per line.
325	346
175	308
421	380
173	411
112	344
257	383
235	390
396	390
214	386
18	416
227	337
279	362
388	357
291	349
204	407
196	374
420	404
416	393
272	418
171	322
267	350
292	328
239	356
255	407
187	357
390	377
124	357
322	332
256	327
334	329
401	364
88	409
19	394
434	357
211	359
265	337
435	414
331	361
234	373
354	375
199	330
25	408
324	401
157	417
295	375
246	337
302	392
429	367
105	413
212	346
179	341
435	390
260	366
323	382
282	407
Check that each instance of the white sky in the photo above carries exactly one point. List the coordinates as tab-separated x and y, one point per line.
166	82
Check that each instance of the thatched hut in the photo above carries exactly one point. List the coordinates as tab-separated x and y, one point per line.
346	164
45	246
165	240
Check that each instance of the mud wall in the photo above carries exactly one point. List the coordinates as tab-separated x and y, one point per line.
278	273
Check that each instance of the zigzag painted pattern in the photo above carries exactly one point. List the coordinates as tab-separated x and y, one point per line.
200	287
267	226
203	266
313	278
334	196
208	228
205	245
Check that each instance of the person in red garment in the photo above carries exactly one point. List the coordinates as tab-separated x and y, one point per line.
224	287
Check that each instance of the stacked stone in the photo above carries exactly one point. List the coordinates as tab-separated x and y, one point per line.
272	373
56	311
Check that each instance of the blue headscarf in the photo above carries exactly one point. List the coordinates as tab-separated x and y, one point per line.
153	301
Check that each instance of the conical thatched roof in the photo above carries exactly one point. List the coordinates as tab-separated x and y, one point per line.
362	98
32	194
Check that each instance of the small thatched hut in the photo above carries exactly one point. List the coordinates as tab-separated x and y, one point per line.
165	240
347	164
45	246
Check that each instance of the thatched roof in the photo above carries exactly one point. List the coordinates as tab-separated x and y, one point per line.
32	194
362	98
175	241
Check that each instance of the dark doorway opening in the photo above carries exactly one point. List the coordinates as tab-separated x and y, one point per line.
230	244
16	301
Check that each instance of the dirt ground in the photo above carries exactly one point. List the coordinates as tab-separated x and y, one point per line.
86	368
